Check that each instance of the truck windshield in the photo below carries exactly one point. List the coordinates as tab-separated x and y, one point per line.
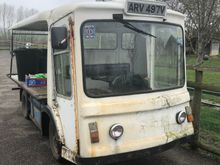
119	61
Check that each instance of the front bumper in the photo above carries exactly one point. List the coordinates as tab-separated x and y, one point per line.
131	155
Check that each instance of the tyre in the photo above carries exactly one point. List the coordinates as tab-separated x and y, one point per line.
25	105
55	145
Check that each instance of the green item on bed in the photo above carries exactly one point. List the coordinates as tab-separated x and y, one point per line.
40	75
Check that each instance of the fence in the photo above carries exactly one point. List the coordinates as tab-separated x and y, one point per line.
199	87
4	44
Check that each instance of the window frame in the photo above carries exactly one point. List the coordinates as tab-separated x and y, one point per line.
130	93
71	81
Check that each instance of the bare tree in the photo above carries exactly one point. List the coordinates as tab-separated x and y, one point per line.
32	11
9	18
23	13
6	18
203	22
0	14
20	14
1	26
29	12
3	18
9	15
174	5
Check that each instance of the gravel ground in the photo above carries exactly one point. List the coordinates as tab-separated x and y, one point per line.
22	144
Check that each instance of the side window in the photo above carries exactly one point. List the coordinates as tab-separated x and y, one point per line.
62	73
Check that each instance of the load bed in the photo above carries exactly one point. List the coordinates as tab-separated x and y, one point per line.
30	61
39	93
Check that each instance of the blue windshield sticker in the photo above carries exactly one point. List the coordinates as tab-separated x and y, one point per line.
89	31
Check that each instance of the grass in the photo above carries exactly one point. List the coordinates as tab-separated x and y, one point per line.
210	126
211	78
209	117
213	61
215	99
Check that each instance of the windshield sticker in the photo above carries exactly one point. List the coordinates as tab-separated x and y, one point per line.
89	31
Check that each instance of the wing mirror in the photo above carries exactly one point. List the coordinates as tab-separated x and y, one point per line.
59	37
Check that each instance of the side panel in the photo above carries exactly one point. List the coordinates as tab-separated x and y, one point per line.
35	113
64	105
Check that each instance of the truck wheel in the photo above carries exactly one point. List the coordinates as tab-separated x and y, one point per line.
25	105
55	145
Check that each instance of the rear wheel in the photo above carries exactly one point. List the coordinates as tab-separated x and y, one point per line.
25	105
55	145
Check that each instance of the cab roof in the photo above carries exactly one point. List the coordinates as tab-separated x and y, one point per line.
41	21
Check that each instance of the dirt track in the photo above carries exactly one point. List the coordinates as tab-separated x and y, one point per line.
21	142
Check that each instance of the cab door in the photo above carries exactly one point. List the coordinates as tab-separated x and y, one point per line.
63	88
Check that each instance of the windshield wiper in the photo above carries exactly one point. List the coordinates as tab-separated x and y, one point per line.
119	18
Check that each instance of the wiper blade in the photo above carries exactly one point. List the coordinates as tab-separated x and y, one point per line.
132	27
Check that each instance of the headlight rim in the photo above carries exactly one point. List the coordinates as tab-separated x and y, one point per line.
112	129
179	115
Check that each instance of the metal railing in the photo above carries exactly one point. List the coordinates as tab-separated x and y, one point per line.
5	44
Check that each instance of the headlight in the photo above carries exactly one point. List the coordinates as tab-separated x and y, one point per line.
180	117
116	131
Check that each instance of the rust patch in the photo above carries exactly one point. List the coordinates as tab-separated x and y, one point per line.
72	46
93	151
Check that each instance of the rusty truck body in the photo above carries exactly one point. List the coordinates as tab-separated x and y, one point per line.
116	79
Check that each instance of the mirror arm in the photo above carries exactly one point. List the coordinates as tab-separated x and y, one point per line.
62	42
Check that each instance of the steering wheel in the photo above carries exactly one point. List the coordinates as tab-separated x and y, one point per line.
129	81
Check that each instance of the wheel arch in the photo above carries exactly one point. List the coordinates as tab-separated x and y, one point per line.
45	120
46	117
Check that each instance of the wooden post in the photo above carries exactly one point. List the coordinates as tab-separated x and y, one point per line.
196	106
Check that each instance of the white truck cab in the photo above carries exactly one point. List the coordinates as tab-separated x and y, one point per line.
116	79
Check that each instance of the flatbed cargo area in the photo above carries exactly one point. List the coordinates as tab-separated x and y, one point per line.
39	93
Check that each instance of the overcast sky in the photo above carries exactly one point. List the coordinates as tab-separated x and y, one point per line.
39	4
